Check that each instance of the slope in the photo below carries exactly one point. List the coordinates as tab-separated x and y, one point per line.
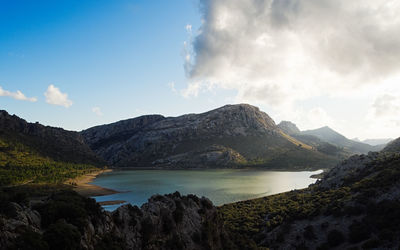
356	205
33	152
331	136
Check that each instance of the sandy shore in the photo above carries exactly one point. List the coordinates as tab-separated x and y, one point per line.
83	187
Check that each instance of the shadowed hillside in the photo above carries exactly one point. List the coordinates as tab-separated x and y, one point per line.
33	152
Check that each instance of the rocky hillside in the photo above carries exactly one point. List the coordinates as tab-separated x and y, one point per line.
61	219
355	206
393	146
33	152
230	136
55	143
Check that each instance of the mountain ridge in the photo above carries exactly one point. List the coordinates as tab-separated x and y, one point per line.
194	140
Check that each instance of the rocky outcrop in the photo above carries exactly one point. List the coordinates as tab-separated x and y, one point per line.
289	128
230	136
165	222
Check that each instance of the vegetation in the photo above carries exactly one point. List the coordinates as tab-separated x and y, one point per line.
360	200
20	164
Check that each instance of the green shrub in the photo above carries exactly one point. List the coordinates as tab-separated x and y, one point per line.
62	236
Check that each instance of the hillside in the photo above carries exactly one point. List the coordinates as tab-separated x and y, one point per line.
355	206
230	136
331	136
33	152
393	146
316	142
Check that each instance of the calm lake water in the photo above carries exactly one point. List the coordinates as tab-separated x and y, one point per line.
220	186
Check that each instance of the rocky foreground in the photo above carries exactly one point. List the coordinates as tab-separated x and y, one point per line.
65	220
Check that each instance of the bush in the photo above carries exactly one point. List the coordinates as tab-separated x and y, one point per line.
335	238
358	232
30	240
62	236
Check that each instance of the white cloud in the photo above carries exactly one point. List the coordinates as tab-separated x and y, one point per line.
97	111
55	97
18	95
288	50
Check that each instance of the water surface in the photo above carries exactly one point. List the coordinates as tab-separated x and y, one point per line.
220	186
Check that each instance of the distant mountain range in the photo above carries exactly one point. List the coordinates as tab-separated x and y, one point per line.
331	142
374	142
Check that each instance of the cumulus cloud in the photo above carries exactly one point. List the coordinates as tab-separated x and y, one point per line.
281	51
55	97
97	111
18	95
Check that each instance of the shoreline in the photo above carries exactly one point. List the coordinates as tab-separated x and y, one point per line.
83	187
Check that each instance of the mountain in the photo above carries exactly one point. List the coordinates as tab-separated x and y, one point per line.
318	144
356	205
230	136
331	136
31	151
393	146
289	128
377	142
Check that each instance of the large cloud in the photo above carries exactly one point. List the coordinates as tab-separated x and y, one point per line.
18	95
279	51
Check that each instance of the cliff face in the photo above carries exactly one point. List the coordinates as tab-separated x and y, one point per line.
165	222
55	143
229	136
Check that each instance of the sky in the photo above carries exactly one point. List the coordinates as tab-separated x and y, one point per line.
76	64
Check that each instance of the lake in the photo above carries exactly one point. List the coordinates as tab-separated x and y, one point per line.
220	186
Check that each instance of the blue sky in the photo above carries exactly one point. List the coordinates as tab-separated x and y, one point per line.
119	56
77	64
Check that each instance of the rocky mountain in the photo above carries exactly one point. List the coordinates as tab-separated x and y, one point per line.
61	219
331	136
289	128
230	136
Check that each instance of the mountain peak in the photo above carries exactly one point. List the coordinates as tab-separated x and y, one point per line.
289	128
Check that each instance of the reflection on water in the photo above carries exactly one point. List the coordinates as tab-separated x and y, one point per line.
220	186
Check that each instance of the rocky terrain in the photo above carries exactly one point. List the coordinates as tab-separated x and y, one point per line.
230	136
65	220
